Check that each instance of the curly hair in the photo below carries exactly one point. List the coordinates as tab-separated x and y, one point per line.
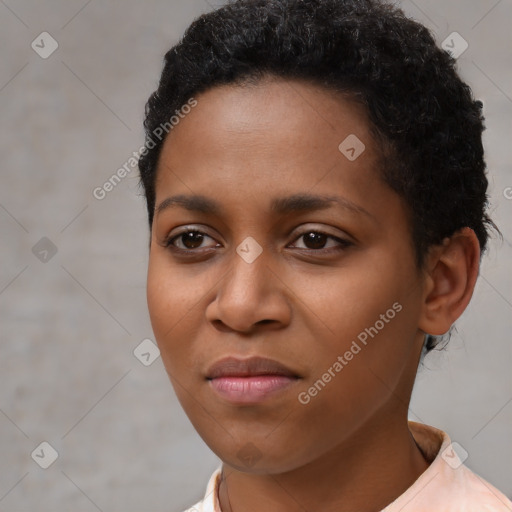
426	122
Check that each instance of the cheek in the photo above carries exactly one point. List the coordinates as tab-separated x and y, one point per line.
345	301
368	312
172	291
173	300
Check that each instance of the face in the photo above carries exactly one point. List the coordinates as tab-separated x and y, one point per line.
282	285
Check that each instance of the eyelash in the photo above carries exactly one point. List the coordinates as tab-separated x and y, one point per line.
343	244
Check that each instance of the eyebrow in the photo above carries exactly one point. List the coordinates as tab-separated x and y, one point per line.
295	203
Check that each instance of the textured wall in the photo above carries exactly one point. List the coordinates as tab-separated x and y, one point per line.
72	273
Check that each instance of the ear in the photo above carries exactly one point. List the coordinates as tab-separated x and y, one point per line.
452	269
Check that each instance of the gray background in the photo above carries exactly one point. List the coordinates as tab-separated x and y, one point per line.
69	325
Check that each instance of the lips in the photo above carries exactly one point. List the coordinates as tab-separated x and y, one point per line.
234	367
249	381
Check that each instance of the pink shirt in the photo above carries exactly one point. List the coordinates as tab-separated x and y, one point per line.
447	485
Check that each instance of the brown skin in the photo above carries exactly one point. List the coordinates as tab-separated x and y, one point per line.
299	303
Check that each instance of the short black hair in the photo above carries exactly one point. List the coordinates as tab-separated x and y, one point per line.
424	117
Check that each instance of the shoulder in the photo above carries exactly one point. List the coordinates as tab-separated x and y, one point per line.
475	493
195	508
210	502
447	484
465	491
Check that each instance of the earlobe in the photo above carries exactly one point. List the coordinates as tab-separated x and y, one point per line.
452	270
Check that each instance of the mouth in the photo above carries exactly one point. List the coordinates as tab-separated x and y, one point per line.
249	381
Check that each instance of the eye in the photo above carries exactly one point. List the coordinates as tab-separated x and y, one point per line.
317	240
190	239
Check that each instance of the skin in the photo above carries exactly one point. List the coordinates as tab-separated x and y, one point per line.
299	303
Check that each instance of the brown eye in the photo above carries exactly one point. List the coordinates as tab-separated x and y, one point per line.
317	241
187	241
192	239
314	240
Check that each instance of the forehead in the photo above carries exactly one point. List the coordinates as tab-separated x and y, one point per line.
269	129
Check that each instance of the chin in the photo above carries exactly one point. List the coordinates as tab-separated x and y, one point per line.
259	456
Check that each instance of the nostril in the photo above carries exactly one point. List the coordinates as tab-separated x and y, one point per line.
221	326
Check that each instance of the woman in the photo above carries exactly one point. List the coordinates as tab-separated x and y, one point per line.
317	198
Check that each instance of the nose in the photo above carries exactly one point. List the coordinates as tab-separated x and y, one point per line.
251	296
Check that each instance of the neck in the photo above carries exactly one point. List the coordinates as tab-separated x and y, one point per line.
366	472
